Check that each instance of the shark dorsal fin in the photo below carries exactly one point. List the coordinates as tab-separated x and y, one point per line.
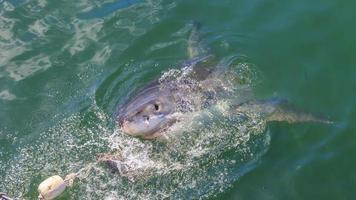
196	48
200	59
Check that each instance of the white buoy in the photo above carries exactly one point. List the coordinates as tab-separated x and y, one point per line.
54	186
51	188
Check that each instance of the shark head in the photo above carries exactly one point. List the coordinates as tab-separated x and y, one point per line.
147	113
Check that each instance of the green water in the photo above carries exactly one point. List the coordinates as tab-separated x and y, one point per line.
64	65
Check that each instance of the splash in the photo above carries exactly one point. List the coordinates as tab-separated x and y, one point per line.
201	156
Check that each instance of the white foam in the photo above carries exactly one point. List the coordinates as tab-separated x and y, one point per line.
21	70
39	28
10	46
42	3
84	33
102	55
7	95
8	6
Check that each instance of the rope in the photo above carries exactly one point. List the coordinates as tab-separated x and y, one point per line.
4	196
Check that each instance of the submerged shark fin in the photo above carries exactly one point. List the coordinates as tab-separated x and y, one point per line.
200	58
279	110
196	48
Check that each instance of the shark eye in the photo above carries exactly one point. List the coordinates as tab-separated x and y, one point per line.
156	107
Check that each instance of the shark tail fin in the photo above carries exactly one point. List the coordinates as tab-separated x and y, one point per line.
280	110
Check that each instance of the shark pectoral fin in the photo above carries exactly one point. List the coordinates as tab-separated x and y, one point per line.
292	115
280	110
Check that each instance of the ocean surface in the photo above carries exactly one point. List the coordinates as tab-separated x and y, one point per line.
66	65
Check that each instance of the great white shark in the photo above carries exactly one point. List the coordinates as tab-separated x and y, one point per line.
152	110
